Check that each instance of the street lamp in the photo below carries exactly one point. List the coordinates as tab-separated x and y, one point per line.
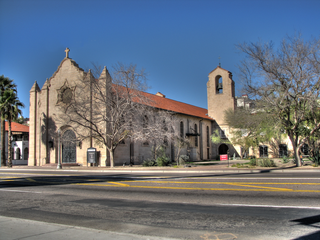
59	166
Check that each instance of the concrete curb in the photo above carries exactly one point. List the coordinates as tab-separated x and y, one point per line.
163	170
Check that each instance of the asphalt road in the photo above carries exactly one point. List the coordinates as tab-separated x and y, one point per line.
174	205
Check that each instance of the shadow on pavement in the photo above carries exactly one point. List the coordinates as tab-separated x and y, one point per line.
309	221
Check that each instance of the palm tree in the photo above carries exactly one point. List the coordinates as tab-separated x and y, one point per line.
5	83
10	110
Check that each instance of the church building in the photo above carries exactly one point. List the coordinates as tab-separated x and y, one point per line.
195	123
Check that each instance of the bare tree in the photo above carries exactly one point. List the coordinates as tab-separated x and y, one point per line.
287	82
179	143
157	130
109	109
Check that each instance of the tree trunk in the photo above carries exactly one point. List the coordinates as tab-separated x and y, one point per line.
297	157
295	150
9	145
111	158
3	143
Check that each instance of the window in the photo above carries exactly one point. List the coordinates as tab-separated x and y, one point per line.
145	122
208	137
165	141
244	152
283	150
145	128
305	149
66	95
164	126
181	129
196	137
263	151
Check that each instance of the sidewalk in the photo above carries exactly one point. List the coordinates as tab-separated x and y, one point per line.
199	167
16	228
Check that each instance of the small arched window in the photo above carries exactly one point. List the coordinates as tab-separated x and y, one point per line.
165	141
196	136
145	121
181	129
208	137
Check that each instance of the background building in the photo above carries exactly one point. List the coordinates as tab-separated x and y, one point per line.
20	143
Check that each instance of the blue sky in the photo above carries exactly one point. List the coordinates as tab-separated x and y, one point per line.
177	42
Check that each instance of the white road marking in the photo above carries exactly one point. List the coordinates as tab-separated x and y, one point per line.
7	190
268	206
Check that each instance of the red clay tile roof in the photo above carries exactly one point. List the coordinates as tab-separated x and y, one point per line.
178	107
172	105
17	127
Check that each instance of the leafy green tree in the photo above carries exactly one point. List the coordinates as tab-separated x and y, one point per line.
217	139
5	83
313	140
20	120
10	110
250	127
287	81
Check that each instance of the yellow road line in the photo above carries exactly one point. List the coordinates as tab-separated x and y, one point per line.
31	180
121	184
205	189
240	184
245	185
262	183
9	177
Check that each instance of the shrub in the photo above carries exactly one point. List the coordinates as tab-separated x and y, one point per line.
158	158
253	162
183	159
149	163
163	161
267	163
285	159
240	165
315	158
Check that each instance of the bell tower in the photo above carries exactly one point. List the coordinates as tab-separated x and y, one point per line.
220	94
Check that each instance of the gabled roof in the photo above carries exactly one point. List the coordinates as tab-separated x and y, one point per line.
178	107
17	127
218	67
161	102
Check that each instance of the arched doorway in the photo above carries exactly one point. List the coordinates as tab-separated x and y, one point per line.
26	153
18	154
223	149
69	147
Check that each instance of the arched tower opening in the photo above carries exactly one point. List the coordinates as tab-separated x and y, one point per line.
219	85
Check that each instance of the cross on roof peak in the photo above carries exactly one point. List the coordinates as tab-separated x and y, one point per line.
67	52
